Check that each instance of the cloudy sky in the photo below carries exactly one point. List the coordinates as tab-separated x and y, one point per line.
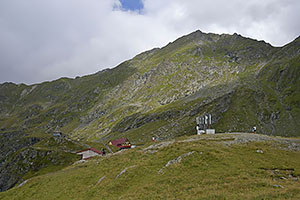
47	39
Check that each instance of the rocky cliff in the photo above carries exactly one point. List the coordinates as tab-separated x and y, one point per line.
242	82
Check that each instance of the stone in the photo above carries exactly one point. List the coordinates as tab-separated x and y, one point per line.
278	186
23	183
259	151
101	179
124	170
175	161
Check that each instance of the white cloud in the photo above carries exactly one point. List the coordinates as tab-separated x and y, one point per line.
44	40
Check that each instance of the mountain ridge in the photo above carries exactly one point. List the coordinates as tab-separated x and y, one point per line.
197	31
242	82
138	66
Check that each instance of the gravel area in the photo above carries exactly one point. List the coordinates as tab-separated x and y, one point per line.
285	143
229	139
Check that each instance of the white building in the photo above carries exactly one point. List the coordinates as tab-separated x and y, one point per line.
88	153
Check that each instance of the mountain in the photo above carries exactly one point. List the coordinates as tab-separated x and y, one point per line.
241	82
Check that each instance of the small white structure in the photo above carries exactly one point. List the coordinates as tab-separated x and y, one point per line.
199	131
210	131
88	153
254	129
197	128
204	125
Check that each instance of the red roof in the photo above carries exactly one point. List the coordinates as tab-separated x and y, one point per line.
92	149
119	142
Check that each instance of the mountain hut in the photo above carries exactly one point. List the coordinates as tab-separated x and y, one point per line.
122	143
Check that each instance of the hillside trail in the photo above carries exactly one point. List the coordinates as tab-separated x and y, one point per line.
286	143
232	138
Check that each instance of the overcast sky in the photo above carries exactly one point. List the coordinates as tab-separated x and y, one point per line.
47	39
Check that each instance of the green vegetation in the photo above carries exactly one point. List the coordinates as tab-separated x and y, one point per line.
27	155
240	81
212	170
206	66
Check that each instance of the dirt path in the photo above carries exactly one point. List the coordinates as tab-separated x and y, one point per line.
233	138
286	143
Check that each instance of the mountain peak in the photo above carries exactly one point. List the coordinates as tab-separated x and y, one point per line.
240	81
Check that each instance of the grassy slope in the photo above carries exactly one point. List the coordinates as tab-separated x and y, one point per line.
160	92
265	92
59	103
176	71
213	171
207	66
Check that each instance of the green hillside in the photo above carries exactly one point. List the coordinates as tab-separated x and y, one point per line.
240	81
223	166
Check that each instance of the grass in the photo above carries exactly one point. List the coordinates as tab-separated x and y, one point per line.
214	171
168	75
44	165
143	133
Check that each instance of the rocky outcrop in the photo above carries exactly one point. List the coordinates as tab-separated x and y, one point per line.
19	156
175	161
241	82
12	142
124	170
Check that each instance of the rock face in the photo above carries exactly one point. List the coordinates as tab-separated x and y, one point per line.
241	82
18	156
252	82
12	142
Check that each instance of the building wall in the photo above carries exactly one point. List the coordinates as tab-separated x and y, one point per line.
87	154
